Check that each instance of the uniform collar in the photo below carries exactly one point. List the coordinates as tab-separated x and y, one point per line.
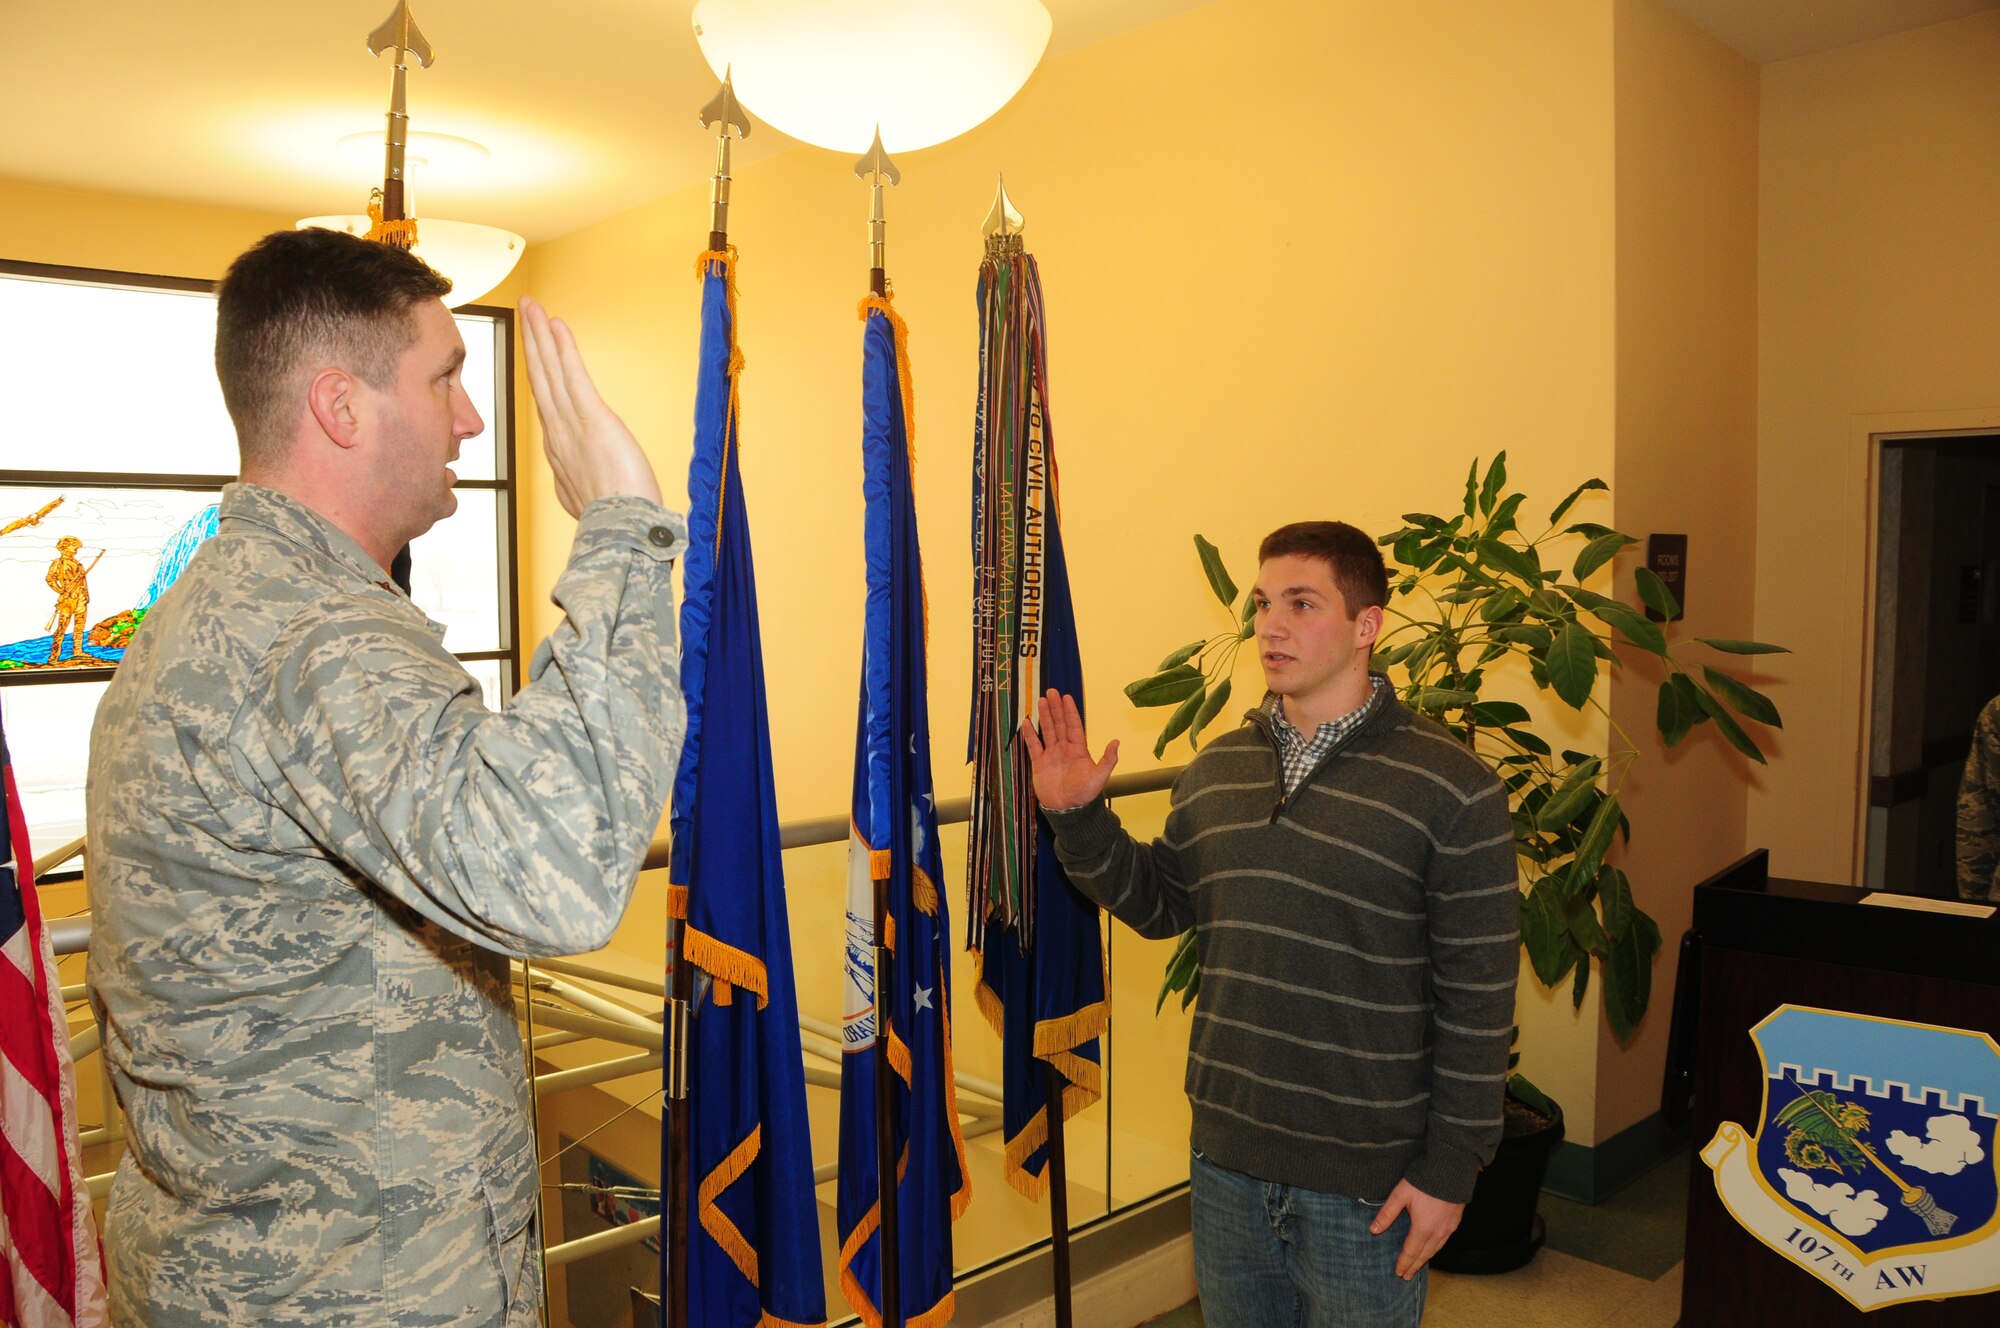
290	519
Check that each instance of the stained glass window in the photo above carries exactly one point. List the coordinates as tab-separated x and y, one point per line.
113	452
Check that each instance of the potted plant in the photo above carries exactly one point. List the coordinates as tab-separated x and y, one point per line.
1474	600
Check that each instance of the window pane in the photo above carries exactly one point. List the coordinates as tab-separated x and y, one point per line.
64	346
476	461
48	740
130	545
488	671
455	572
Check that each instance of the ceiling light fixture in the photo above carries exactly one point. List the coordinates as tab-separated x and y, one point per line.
476	258
829	74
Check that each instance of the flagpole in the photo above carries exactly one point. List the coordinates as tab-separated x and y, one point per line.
876	168
723	113
1002	230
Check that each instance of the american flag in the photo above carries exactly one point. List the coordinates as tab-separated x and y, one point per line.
50	1272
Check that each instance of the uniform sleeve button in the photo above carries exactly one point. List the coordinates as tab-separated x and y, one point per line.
661	537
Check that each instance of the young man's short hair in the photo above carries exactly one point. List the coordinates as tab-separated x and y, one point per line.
1358	570
299	300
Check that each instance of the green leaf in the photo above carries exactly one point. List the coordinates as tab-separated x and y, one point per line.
1570	798
1742	697
1731	730
1209	709
1596	839
1496	475
1585	929
1432	700
1394	655
1471	487
1572	665
1500	713
1528	741
1631	625
1678	710
1545	931
1628	976
1248	613
1181	656
1177	722
1515	562
1183	972
1503	515
1218	576
1580	986
1521	1090
1535	637
1598	552
1501	605
1742	647
1570	501
1653	593
1165	687
1614	893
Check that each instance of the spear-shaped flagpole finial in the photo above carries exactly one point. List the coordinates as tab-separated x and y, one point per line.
399	32
724	113
876	167
1003	219
1003	225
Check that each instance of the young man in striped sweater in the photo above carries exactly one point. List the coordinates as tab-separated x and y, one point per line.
1349	871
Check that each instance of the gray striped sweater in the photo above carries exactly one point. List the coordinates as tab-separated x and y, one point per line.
1359	942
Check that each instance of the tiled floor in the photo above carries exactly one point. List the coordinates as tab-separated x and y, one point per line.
1615	1265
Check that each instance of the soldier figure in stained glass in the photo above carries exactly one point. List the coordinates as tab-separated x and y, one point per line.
69	578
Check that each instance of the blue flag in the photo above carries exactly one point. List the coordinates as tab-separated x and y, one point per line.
894	838
753	1233
1041	955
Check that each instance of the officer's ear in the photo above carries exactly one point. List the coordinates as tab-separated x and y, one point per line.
334	397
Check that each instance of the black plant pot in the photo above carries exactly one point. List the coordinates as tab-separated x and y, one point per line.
1501	1229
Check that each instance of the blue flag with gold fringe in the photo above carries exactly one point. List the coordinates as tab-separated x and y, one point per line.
1040	947
753	1230
894	838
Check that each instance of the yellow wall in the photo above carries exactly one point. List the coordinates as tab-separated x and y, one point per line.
1686	461
1878	281
1301	259
43	225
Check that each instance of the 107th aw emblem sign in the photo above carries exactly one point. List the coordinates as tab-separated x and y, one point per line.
1873	1164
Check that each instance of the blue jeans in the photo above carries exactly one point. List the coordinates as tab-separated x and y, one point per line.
1277	1256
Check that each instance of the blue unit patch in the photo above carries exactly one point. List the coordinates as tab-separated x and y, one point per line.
1873	1165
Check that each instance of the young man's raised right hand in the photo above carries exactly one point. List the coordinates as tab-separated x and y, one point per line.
1066	777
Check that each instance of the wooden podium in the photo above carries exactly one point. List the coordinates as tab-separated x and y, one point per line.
1759	943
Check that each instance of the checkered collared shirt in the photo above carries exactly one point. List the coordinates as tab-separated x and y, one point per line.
1297	755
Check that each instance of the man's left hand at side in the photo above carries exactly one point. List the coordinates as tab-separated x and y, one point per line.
1432	1220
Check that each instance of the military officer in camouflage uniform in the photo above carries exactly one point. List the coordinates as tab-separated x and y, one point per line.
1979	810
312	847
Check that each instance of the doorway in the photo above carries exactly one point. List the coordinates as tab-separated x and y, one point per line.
1936	650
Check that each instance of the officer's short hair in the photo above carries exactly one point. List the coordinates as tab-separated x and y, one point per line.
1358	570
299	300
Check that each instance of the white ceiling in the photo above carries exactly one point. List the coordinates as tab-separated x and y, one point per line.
588	106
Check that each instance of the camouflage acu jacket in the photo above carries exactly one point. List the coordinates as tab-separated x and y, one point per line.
311	847
1979	810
